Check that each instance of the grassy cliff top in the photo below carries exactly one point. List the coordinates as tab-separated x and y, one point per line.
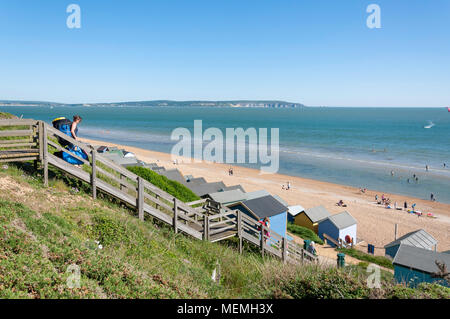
6	116
45	232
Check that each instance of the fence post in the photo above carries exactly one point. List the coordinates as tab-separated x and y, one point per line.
122	187
45	154
94	174
239	229
140	199
206	228
284	249
41	141
262	240
175	215
157	206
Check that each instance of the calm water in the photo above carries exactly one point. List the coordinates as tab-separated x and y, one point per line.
353	146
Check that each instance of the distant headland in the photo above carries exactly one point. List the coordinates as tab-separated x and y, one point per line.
162	103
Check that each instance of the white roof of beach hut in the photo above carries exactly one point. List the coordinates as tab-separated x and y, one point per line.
295	210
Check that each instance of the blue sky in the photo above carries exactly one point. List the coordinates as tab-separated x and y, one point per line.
315	52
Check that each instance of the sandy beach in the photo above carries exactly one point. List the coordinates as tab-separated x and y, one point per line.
375	223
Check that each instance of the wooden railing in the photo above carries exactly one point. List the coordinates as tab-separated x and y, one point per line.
18	140
202	219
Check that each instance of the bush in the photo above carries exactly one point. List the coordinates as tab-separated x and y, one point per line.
174	188
304	233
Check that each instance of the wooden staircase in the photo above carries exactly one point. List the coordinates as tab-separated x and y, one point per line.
203	219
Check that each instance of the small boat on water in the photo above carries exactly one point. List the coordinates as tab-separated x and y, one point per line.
430	125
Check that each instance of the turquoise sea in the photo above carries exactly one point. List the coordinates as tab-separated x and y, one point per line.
352	146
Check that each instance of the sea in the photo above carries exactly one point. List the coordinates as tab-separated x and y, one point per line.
375	148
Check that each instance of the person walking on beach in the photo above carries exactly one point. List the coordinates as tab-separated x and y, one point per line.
288	185
405	205
432	197
426	168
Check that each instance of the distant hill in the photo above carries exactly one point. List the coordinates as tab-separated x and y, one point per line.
237	103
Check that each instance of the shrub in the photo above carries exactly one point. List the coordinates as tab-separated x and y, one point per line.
379	260
174	188
304	233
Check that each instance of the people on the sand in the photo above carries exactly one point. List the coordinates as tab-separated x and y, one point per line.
405	205
288	186
341	203
426	168
432	197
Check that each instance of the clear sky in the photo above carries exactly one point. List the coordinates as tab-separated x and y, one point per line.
315	52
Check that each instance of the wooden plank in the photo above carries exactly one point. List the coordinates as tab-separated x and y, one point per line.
21	159
200	201
14	141
18	122
222	236
221	230
18	153
9	145
18	133
157	202
123	184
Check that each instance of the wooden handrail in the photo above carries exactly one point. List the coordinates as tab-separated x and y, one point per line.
181	216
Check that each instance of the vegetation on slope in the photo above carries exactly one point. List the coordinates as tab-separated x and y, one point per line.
304	233
6	116
174	188
142	259
379	260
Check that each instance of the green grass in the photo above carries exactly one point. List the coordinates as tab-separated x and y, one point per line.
379	260
174	188
6	116
304	233
46	230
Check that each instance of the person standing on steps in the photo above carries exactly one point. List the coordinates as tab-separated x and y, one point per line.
74	127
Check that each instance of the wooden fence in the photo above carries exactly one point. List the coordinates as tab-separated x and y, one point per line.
209	221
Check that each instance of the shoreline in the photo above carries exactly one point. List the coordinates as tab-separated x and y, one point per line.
375	223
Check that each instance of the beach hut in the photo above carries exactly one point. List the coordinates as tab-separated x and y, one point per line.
202	190
263	193
340	226
293	211
310	218
266	206
414	265
228	197
174	175
120	160
418	238
128	154
102	149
